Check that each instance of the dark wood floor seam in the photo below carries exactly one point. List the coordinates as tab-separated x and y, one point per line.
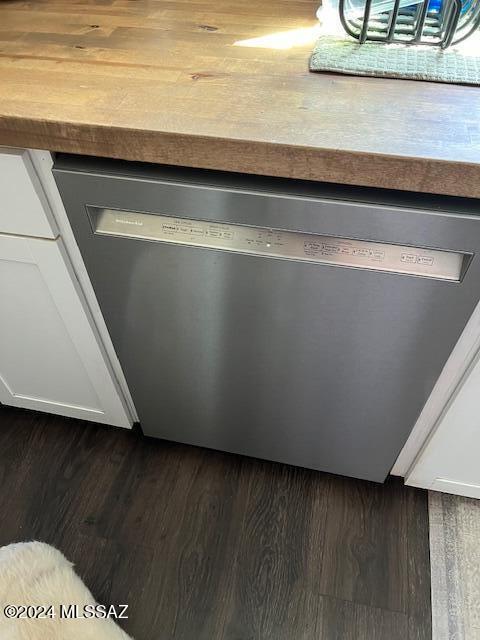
349	601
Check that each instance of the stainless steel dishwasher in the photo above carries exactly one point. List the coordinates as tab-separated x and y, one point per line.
291	321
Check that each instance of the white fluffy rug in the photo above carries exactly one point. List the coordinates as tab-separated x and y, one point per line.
38	575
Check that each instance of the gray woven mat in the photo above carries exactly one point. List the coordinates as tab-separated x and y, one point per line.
455	565
459	65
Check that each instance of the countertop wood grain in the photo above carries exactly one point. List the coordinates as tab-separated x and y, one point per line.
211	83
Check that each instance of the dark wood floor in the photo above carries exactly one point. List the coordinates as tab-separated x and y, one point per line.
210	546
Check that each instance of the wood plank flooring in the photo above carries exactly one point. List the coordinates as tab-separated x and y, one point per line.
210	546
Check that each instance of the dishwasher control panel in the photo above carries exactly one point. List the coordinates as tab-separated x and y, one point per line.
279	243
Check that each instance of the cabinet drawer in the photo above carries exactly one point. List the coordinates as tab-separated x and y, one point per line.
24	208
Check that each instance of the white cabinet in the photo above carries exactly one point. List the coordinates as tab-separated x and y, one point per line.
24	208
49	358
450	460
52	357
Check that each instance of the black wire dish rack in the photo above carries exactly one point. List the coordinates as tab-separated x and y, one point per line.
431	22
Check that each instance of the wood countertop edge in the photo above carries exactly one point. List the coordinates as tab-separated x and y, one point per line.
426	175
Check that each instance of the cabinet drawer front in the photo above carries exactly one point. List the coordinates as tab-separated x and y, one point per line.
24	208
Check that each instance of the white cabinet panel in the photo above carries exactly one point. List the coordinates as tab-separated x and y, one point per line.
24	208
50	359
449	383
42	162
450	461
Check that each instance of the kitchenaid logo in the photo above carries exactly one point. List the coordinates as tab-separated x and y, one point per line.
136	223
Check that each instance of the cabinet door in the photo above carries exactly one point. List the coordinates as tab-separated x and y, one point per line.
450	460
24	208
50	357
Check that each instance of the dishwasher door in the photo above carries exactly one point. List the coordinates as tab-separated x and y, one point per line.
268	319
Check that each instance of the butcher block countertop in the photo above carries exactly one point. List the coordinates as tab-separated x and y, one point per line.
223	84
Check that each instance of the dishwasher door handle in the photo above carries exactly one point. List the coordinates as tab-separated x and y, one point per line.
280	243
